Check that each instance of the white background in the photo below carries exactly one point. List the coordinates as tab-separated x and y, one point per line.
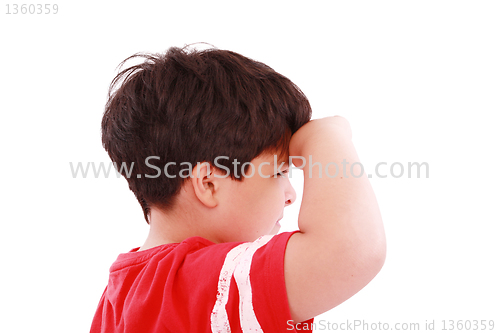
418	80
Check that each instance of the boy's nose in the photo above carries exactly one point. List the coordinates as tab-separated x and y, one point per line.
290	195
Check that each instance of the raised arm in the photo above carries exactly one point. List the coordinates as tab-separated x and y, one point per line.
341	243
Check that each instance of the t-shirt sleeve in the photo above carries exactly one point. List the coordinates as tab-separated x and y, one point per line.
229	287
256	298
267	277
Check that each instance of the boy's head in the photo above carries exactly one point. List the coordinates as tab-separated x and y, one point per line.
186	106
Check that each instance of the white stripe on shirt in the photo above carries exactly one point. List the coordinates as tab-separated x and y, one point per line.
218	319
238	262
248	320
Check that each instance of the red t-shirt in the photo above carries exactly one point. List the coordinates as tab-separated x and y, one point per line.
199	286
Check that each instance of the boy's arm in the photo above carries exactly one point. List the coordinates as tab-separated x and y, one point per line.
341	243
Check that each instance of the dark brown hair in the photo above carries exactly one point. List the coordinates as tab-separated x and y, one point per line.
193	106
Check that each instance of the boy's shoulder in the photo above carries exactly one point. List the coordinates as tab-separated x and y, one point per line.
194	249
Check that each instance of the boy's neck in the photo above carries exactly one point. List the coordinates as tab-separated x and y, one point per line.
167	228
177	224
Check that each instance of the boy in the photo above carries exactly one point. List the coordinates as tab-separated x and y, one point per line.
194	125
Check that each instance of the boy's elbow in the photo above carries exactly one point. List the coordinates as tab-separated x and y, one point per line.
376	255
368	262
379	259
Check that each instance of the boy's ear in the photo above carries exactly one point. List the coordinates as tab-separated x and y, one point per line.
205	184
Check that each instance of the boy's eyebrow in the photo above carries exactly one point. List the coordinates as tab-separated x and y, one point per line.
285	163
